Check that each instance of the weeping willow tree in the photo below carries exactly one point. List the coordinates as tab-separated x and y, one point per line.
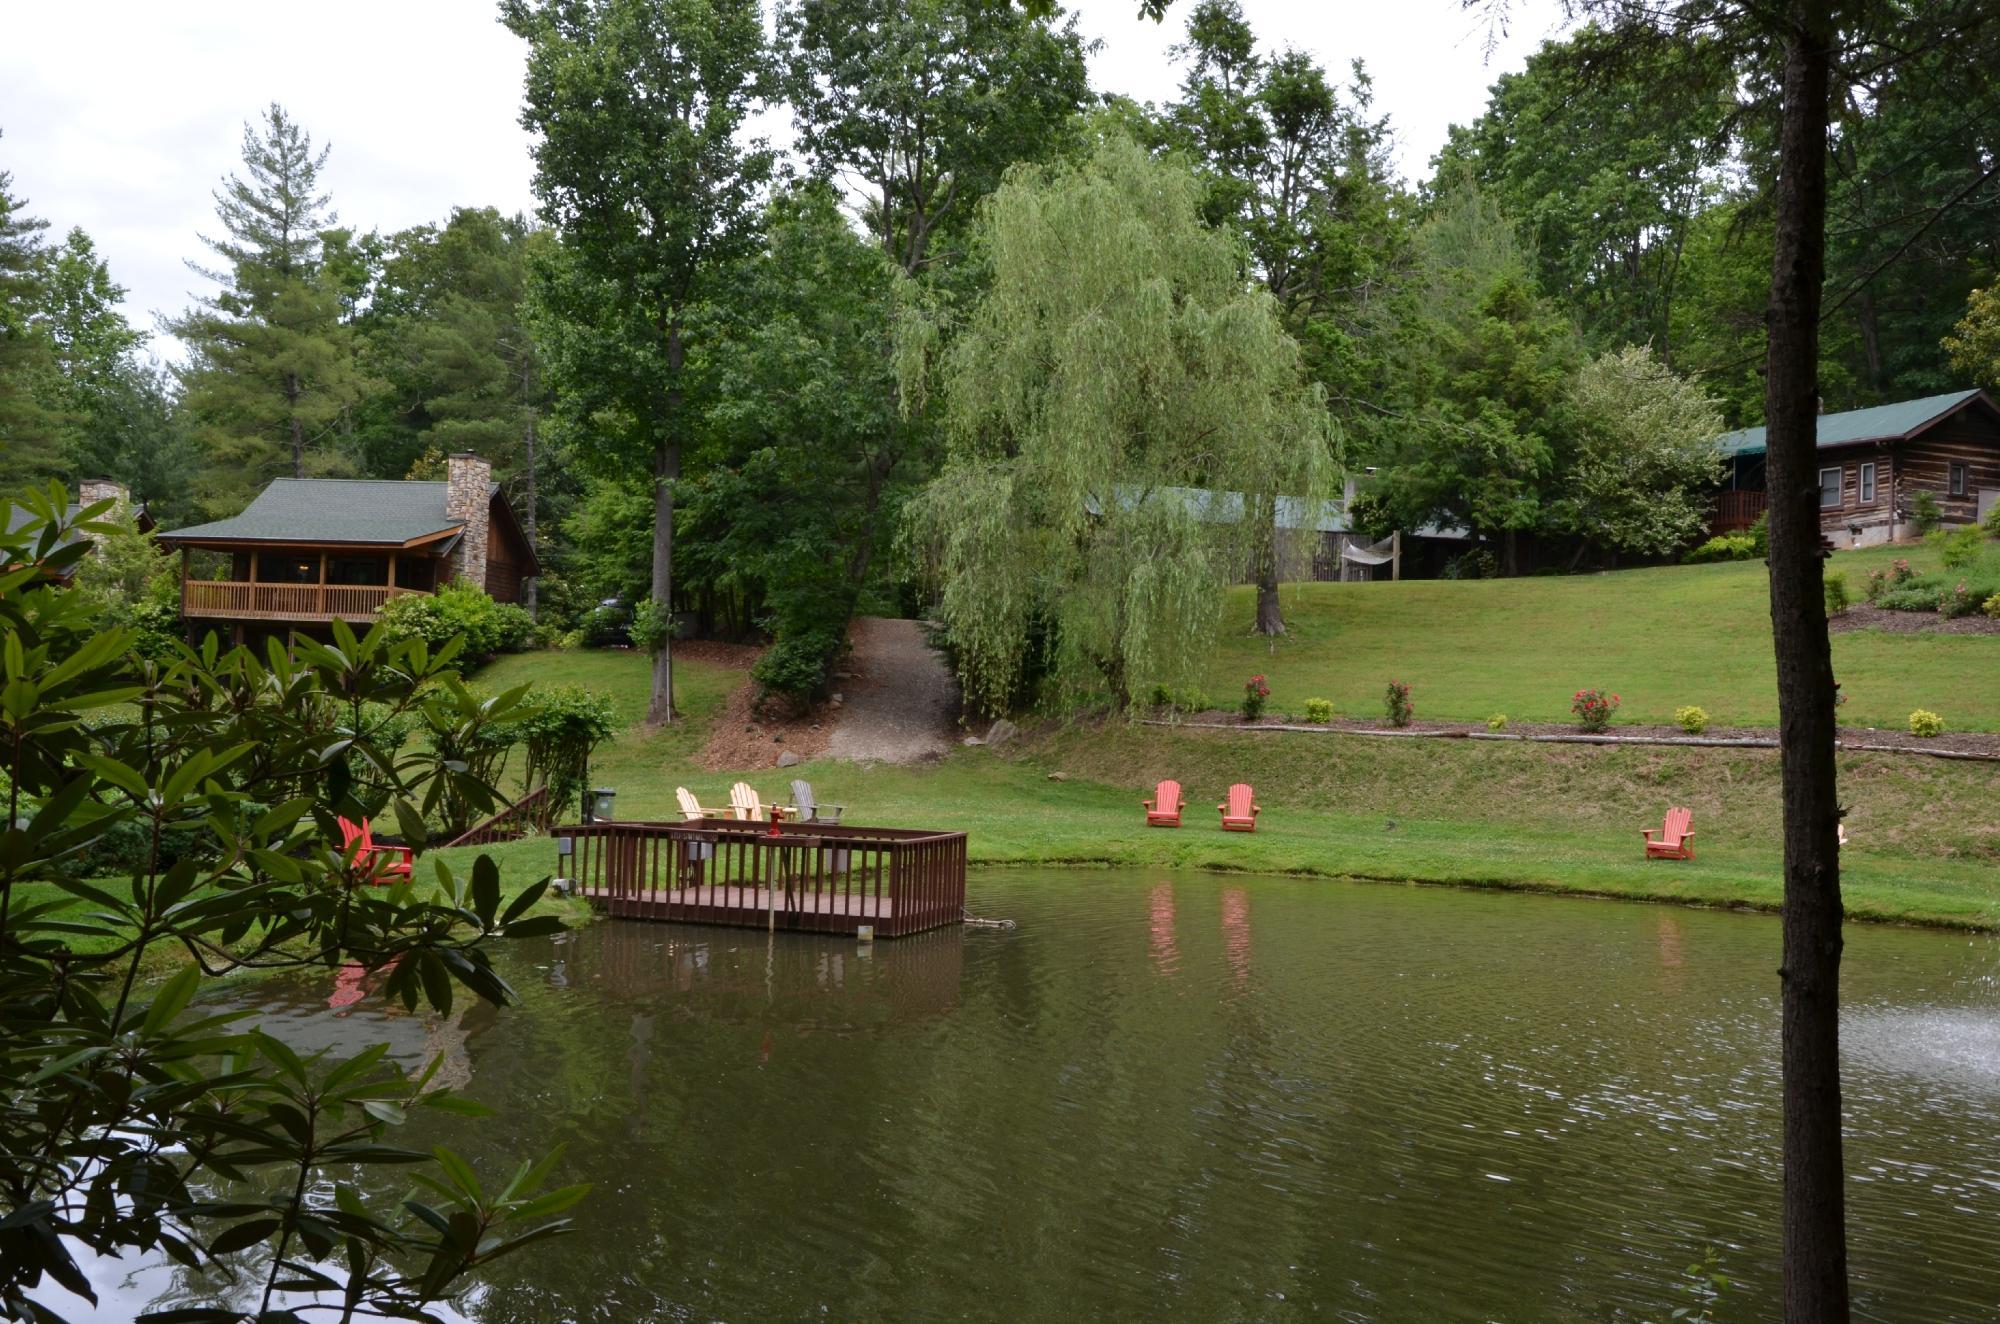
1123	410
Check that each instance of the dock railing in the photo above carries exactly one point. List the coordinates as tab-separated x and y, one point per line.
810	877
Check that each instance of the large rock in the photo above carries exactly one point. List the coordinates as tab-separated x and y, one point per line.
970	741
1001	732
789	759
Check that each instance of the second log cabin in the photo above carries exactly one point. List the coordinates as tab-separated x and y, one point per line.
309	551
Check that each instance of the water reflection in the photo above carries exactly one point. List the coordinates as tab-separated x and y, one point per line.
1213	1099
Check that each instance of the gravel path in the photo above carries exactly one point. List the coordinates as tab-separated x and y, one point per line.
900	702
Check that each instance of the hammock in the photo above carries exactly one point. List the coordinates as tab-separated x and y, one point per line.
1375	553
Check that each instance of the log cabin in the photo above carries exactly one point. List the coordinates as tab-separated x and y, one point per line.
1874	461
309	551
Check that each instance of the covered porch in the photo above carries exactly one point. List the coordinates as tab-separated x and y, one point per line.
301	583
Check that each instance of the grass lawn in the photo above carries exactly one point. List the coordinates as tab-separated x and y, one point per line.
1926	833
1660	638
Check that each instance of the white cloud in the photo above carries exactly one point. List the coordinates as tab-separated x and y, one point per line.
123	117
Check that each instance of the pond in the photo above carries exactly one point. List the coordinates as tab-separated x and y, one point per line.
1211	1098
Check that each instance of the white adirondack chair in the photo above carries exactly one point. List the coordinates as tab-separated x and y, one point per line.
690	807
810	809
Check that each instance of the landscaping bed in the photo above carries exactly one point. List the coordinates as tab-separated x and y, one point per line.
1968	744
1861	616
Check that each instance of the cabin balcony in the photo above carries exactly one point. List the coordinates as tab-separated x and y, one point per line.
239	601
1735	511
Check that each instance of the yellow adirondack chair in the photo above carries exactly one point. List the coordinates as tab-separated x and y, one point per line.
690	807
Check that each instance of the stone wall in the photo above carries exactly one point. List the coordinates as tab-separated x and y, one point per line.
468	499
90	491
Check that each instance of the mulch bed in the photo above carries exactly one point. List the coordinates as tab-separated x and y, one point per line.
1851	737
1861	616
743	737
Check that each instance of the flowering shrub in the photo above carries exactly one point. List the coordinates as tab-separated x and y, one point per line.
1960	601
1924	722
1319	710
1901	573
1877	581
1593	709
1497	722
1691	719
1255	693
1401	710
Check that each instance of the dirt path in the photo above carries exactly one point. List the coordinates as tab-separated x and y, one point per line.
900	700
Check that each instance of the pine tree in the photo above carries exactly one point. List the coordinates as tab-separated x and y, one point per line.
273	367
28	429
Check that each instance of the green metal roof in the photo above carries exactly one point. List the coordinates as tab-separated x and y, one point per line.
1878	423
333	510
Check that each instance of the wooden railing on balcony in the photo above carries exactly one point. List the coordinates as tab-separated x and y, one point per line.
237	600
1736	510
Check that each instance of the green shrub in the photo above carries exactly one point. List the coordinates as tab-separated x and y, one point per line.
1957	548
1914	597
1497	722
1992	606
1475	564
1397	700
563	727
1691	719
458	611
1992	524
651	627
1190	700
1319	711
797	667
1834	589
1924	722
1875	585
1760	535
1925	513
1723	547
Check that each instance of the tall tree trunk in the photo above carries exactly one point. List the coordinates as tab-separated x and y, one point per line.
298	429
1270	616
1815	1240
666	468
531	594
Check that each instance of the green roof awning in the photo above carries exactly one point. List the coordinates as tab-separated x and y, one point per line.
370	512
1878	423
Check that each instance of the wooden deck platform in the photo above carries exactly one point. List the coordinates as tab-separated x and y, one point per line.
812	877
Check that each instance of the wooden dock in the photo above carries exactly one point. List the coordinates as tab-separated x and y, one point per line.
805	877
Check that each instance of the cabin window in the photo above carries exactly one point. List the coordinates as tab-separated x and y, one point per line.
1829	489
418	572
276	568
1867	484
1956	486
357	570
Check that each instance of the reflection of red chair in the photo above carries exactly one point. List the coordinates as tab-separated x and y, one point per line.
1239	814
1164	809
384	864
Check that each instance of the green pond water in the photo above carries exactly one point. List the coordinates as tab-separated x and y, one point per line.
1207	1099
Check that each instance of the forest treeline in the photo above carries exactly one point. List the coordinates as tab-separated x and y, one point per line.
717	373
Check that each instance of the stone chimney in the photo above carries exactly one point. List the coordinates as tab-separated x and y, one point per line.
468	500
90	491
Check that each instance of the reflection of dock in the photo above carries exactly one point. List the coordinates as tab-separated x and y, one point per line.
801	980
812	877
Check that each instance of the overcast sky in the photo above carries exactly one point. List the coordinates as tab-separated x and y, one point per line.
122	117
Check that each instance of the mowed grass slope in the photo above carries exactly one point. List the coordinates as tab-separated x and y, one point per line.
1926	833
1660	638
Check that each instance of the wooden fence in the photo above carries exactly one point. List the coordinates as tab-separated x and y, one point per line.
812	877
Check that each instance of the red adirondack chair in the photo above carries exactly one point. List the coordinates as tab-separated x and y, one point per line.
1164	809
1675	838
1239	814
396	861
